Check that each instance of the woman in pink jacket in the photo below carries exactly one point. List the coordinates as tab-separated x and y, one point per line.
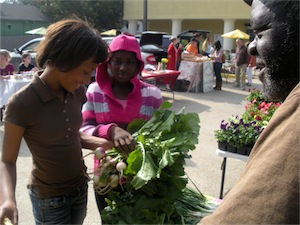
117	97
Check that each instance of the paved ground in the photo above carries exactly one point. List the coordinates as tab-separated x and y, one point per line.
204	166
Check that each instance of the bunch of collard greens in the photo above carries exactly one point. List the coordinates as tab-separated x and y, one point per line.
155	190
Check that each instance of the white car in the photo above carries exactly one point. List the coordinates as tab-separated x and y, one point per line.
154	46
16	56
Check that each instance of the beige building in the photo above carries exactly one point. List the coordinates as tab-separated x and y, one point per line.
175	16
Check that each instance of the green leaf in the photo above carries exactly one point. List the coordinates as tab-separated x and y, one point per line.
146	172
166	160
134	162
135	125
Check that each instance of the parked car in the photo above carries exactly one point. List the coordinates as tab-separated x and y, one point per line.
154	47
16	55
186	36
108	40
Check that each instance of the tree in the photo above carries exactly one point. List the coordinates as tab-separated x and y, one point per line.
103	14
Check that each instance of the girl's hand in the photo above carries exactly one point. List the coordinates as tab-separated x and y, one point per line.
122	139
8	213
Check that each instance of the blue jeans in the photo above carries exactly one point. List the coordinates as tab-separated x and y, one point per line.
218	68
67	209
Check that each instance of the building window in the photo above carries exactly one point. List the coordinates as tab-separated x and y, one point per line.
9	26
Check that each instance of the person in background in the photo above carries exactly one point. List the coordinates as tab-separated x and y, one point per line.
47	114
6	68
197	37
217	56
179	52
118	97
227	55
172	53
267	192
191	47
241	62
251	65
26	64
207	47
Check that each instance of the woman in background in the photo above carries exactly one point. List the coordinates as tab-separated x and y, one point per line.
217	56
192	47
250	67
6	68
207	46
172	53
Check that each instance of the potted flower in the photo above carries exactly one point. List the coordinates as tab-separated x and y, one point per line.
260	111
240	134
164	62
221	136
236	134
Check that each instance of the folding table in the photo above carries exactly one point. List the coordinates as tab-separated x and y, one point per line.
165	77
225	155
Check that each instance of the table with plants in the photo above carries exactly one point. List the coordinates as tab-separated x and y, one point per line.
239	133
237	136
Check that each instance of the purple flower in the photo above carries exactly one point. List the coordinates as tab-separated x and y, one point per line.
223	125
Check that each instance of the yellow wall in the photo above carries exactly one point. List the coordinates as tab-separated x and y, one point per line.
187	9
214	26
195	14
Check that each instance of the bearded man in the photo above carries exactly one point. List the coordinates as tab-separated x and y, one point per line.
268	190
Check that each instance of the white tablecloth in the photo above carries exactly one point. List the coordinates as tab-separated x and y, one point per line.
189	70
10	86
197	73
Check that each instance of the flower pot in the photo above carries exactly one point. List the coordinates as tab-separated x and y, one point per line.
248	150
242	150
222	145
231	148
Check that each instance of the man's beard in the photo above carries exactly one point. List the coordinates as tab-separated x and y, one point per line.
281	74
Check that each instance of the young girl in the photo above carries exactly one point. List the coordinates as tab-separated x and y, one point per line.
26	64
118	97
47	114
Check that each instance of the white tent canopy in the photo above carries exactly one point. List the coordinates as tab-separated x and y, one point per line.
40	30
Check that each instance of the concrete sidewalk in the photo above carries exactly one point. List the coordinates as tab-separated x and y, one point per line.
204	168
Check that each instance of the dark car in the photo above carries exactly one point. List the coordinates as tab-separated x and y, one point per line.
186	36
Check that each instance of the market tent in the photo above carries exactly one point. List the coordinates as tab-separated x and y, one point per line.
236	34
40	30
